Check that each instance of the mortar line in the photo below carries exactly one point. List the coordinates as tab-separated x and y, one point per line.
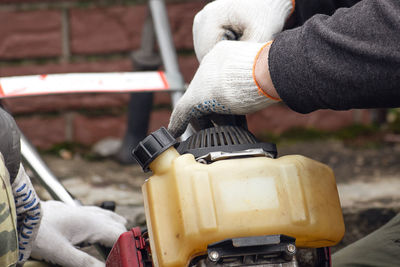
65	37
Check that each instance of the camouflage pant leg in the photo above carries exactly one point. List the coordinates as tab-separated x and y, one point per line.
381	248
8	232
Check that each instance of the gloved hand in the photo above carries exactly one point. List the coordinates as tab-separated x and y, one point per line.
28	211
65	226
224	83
251	20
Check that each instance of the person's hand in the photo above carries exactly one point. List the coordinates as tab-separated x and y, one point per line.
224	83
28	211
244	20
63	227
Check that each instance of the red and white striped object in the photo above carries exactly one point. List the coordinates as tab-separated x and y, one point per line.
114	82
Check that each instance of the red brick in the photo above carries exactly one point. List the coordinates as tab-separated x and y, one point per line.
188	66
29	1
119	28
162	98
30	34
279	118
89	130
66	102
53	103
43	132
96	66
106	30
158	119
181	20
18	1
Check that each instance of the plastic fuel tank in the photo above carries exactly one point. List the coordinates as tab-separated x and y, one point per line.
189	204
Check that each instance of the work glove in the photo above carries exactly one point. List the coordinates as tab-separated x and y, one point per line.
244	20
28	212
63	227
223	84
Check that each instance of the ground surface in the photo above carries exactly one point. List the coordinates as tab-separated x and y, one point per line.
368	181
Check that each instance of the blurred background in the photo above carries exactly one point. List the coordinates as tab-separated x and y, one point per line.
44	37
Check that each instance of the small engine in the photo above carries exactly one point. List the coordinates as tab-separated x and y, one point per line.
221	198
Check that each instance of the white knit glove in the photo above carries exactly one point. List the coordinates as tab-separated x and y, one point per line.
251	20
29	213
223	84
63	227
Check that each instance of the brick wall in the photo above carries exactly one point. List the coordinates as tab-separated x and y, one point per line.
39	36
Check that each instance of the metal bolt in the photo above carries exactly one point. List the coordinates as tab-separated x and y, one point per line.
213	256
291	248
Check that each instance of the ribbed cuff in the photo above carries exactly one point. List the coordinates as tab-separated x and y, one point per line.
260	90
240	75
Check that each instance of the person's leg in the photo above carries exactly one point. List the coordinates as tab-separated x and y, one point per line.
380	248
8	221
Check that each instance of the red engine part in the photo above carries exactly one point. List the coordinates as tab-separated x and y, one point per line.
131	250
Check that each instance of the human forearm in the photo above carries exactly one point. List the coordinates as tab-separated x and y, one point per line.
348	60
9	143
305	9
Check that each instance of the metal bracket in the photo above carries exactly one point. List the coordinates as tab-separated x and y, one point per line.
219	155
271	250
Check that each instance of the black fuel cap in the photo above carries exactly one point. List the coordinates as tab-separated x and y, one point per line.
152	146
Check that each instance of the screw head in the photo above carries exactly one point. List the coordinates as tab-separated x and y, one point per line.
291	248
213	256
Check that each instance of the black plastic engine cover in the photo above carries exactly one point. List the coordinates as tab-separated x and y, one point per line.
223	139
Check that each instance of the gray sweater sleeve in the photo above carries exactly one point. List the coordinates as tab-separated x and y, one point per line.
348	60
305	9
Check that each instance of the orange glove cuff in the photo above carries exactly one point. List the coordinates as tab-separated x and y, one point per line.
293	6
260	90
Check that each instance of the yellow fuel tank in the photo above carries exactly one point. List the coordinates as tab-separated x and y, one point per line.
190	205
